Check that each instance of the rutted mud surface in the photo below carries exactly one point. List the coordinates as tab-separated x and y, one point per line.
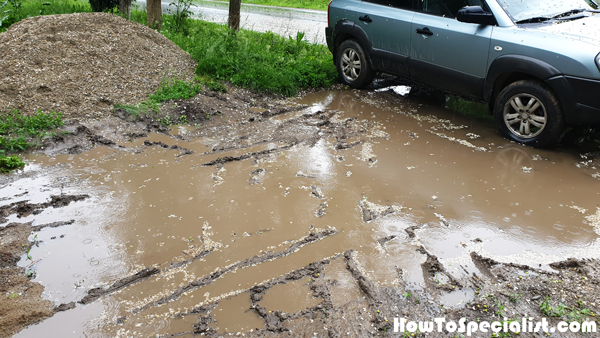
347	208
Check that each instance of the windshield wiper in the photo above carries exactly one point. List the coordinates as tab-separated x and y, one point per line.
534	20
574	11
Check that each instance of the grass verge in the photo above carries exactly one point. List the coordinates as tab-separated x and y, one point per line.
264	62
19	133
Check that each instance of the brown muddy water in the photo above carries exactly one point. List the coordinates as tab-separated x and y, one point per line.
376	173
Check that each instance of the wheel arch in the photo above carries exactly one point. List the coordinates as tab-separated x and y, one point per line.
346	29
507	69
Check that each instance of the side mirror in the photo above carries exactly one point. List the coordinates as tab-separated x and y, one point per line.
475	14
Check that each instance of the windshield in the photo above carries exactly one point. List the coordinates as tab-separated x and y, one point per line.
525	9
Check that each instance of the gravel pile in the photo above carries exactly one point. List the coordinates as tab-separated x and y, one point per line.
82	64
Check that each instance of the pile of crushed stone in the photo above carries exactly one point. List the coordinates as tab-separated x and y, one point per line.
82	64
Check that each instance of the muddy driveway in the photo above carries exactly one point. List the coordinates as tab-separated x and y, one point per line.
321	216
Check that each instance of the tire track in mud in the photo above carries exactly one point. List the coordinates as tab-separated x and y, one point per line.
225	159
24	209
273	320
255	260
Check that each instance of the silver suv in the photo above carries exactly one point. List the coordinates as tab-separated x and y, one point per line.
535	62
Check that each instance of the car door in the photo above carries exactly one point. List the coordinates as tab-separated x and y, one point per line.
387	24
447	53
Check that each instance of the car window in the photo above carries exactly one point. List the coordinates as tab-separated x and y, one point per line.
402	4
449	8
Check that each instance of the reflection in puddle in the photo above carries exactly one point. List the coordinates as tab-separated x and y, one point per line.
193	216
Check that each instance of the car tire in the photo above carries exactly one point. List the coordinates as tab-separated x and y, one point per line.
529	112
353	66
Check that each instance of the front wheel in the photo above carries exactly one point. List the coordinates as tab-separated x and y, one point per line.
529	112
353	66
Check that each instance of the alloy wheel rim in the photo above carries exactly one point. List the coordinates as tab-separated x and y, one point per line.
525	116
351	65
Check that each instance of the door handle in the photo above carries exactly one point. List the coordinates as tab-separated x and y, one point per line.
365	18
424	31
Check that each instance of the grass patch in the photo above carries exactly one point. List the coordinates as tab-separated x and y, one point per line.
10	163
573	314
264	62
19	133
173	89
21	9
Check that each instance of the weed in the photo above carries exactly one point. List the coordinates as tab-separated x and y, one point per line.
166	121
142	108
13	295
28	255
562	310
10	163
174	89
406	295
183	119
515	297
29	273
178	20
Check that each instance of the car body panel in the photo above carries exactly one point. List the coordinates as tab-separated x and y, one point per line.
441	57
390	50
476	60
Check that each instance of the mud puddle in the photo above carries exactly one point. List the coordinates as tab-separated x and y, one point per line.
323	216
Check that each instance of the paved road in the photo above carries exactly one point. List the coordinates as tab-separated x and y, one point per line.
283	21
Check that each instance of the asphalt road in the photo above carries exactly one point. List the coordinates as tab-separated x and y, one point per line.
283	21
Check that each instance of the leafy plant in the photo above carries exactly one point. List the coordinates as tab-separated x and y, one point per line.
514	297
4	13
174	89
178	22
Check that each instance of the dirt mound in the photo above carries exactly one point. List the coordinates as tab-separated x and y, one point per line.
82	64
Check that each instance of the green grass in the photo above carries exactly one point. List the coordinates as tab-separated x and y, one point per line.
30	8
562	311
172	89
262	62
10	163
18	133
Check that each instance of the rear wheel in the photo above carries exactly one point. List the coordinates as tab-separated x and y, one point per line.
529	112
353	66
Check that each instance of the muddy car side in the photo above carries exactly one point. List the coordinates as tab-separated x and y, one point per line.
538	75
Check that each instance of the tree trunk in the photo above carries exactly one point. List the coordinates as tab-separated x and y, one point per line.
234	14
125	8
154	14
